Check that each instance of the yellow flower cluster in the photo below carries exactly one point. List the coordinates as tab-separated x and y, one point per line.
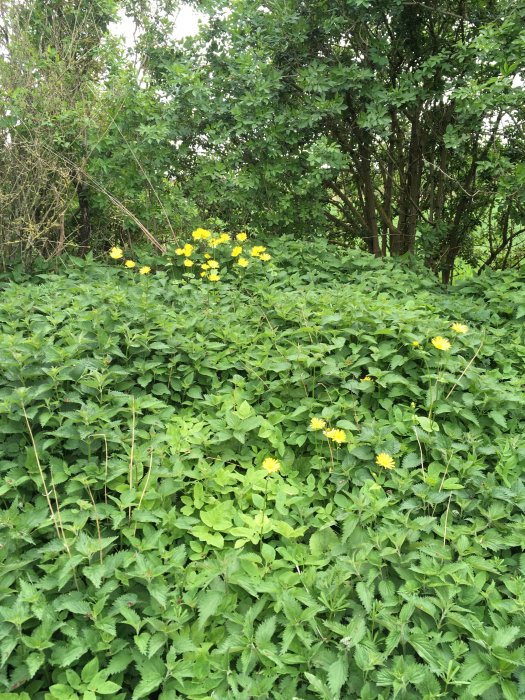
117	253
336	434
210	267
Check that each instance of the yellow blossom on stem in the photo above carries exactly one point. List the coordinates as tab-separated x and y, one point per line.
317	423
179	251
336	435
257	250
459	328
271	465
384	460
213	264
207	256
116	253
241	236
188	250
145	270
130	263
205	266
368	378
265	257
201	234
441	343
214	277
236	251
204	273
225	238
188	262
242	262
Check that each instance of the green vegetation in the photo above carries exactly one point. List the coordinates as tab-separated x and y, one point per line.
389	125
285	462
148	553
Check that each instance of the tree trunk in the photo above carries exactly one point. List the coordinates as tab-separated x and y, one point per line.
409	211
84	234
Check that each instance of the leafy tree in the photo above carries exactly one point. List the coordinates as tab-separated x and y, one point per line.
381	122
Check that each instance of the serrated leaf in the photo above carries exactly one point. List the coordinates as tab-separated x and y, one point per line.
365	595
337	674
265	630
207	605
505	636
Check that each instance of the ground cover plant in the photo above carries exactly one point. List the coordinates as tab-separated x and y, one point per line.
305	484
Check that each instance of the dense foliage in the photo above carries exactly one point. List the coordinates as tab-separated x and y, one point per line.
394	126
146	551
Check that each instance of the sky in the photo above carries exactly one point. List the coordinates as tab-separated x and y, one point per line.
186	24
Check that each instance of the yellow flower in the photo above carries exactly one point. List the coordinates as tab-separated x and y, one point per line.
271	465
130	263
241	236
201	234
204	274
207	256
213	264
187	250
188	262
384	460
179	251
440	343
257	250
415	344
116	253
225	238
205	266
265	257
145	270
214	242
214	277
317	423
459	328
336	435
242	262
368	378
236	251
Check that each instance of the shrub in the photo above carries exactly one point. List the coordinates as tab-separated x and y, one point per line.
175	525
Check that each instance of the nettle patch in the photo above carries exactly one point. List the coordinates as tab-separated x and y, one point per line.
308	486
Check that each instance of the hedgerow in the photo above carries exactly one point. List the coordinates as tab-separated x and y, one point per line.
280	488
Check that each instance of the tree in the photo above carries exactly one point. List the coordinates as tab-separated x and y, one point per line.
368	120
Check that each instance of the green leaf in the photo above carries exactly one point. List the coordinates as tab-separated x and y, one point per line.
208	604
337	674
365	594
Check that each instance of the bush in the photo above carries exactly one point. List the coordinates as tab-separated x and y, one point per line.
147	553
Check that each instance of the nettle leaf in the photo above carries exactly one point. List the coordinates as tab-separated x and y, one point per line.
337	674
505	636
73	602
208	603
152	673
365	594
265	631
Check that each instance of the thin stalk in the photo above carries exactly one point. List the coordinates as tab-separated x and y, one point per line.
97	520
464	371
46	492
263	511
132	451
148	475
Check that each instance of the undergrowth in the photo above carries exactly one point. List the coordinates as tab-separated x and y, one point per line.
146	552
